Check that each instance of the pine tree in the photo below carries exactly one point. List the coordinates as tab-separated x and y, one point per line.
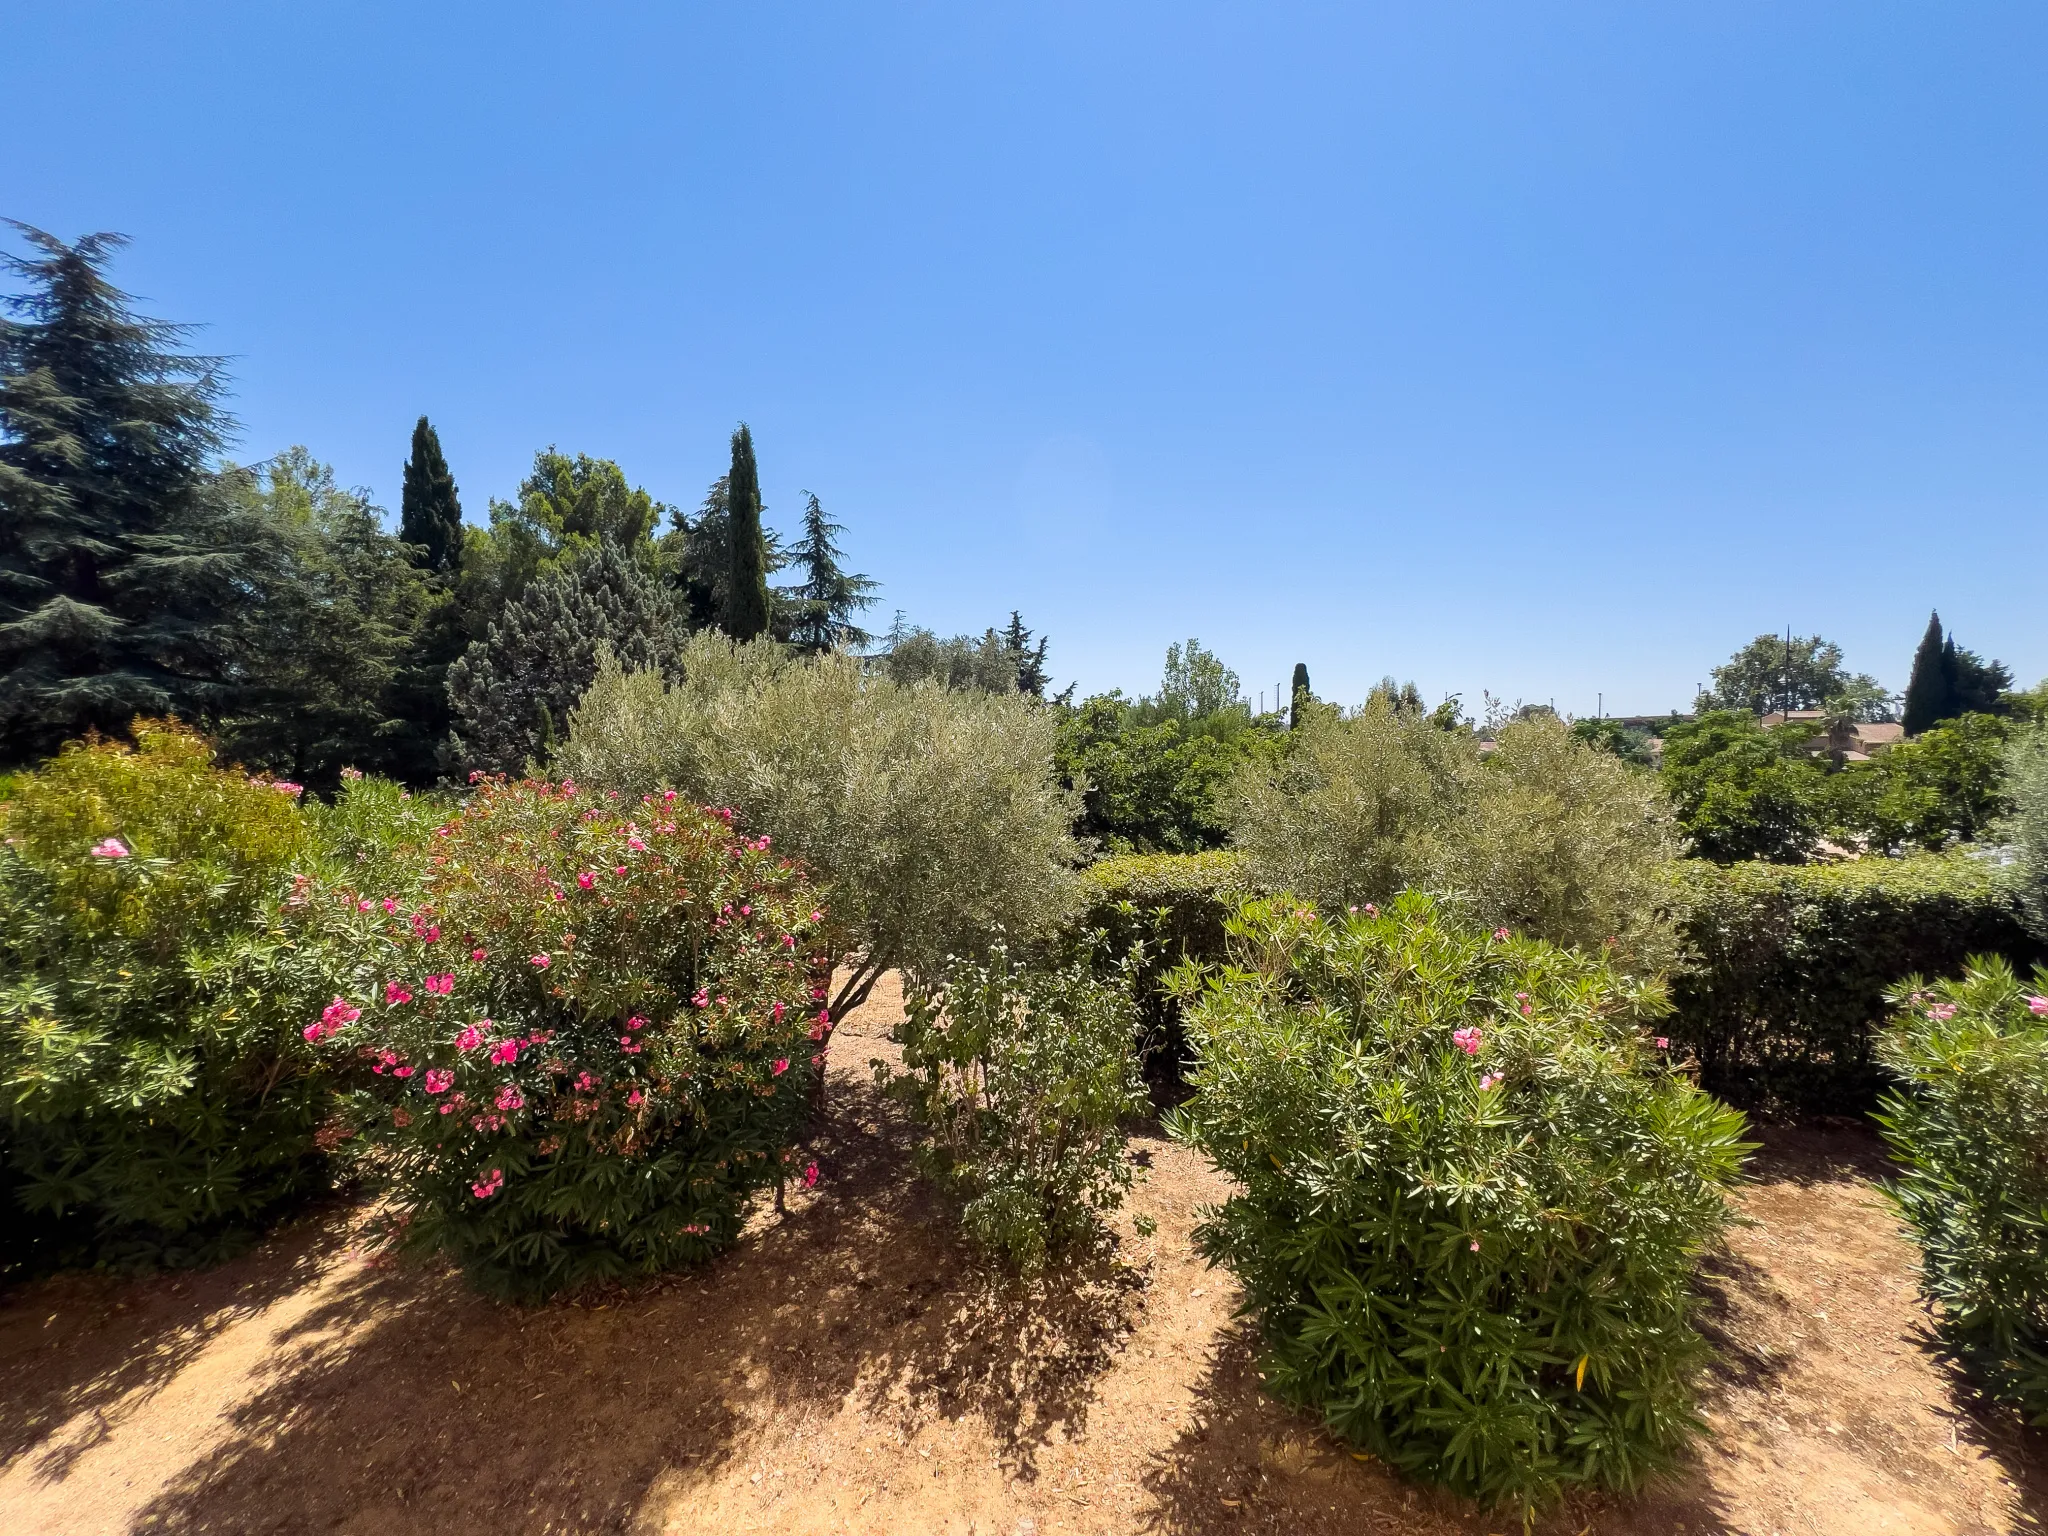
1032	677
1927	690
1301	696
821	606
513	690
746	608
118	577
429	511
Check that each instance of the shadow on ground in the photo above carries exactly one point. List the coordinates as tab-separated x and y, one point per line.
382	1404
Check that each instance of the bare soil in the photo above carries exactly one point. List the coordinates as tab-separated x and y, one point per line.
850	1368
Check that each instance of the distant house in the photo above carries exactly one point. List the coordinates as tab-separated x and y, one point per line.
1858	744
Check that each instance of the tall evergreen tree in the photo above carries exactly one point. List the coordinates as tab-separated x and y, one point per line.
1299	695
429	511
513	690
821	606
1975	686
746	609
1032	678
1928	689
118	576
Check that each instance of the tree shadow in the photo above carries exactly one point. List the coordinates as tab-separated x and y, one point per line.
406	1398
85	1344
1832	1149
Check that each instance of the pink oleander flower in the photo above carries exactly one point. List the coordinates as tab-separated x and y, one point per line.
365	904
478	956
1523	999
1371	910
432	933
471	1037
818	1060
789	941
1467	1039
619	869
504	1053
818	1029
1500	935
1942	1012
776	1013
633	1099
509	1098
668	796
817	994
630	1046
352	774
781	1066
389	903
2038	1006
811	1176
636	845
397	992
1487	1082
438	1080
402	1072
287	787
440	985
585	1082
701	998
588	880
636	1022
817	917
539	962
1475	1245
489	1184
110	848
1663	1042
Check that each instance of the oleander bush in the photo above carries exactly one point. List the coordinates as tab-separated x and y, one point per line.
157	1099
1472	1193
585	1037
1968	1123
1780	987
1018	1079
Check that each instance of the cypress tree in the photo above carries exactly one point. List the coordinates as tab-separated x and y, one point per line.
118	576
1032	678
429	511
1927	690
746	608
1299	695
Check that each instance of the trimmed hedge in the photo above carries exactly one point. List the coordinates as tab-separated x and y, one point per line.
1175	904
1781	988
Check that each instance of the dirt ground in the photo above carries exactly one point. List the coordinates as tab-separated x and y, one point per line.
850	1369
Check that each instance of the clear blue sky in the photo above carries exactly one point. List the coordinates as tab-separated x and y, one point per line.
1551	349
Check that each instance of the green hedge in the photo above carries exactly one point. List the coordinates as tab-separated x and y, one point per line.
1780	992
1175	903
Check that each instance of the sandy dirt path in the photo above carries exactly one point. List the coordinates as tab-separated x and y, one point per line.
849	1368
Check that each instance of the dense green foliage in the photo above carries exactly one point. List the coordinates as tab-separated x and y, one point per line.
1780	990
1739	793
155	1094
584	1037
929	814
1948	681
1969	1126
1018	1080
818	611
513	689
1471	1195
1546	835
1152	782
746	606
2027	829
1947	783
429	508
118	574
1780	672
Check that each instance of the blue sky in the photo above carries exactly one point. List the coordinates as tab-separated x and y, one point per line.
1552	350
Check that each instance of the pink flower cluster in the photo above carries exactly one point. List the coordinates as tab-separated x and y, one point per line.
110	848
1941	1013
397	992
2038	1007
504	1053
1500	935
510	1098
1489	1081
1467	1039
440	985
334	1018
473	1036
489	1184
438	1079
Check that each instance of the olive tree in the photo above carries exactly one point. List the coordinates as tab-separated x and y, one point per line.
931	815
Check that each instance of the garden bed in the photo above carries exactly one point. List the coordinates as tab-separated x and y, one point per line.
848	1368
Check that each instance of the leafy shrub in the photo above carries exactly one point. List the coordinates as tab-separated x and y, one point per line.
589	1042
157	1095
1949	782
1549	835
2027	829
1140	917
1151	774
1472	1193
1780	988
1019	1079
371	835
929	814
1969	1125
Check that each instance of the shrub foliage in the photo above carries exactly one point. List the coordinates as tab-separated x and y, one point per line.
153	978
1019	1079
1472	1193
1969	1125
588	1041
1780	989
